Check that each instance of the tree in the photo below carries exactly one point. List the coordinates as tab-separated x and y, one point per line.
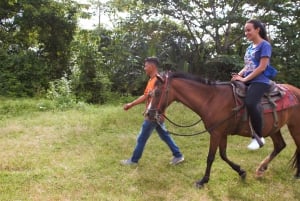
48	26
35	39
90	78
285	22
215	28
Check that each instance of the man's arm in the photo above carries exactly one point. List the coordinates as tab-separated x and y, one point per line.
137	101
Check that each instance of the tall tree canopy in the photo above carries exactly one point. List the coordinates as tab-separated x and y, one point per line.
35	40
40	42
214	30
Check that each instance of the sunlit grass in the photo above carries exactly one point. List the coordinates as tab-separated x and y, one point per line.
75	154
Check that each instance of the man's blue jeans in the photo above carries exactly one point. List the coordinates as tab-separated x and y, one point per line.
146	130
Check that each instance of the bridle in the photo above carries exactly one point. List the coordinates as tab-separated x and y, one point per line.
158	111
157	115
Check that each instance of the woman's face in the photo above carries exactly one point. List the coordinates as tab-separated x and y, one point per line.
250	32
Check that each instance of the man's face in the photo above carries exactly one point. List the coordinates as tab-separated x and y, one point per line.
148	67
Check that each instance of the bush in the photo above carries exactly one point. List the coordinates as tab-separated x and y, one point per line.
221	67
60	92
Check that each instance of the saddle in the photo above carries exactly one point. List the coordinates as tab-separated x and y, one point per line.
269	100
275	93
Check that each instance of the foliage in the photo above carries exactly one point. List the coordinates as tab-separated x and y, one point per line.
35	39
60	92
40	42
222	65
92	83
214	29
49	27
21	75
286	41
123	55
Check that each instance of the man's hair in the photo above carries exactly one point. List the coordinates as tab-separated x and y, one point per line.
153	60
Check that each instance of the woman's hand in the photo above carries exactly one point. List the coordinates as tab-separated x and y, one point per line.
236	76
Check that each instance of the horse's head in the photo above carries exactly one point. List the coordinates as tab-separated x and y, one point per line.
158	101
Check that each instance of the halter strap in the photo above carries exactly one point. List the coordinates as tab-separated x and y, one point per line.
165	94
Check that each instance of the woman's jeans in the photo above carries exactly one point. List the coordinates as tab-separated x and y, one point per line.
146	130
253	98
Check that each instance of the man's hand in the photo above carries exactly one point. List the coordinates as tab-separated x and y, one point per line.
127	106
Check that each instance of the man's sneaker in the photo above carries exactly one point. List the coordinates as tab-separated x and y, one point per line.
254	144
177	160
128	162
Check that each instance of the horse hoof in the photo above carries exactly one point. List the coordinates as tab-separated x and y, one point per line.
243	175
297	176
259	174
199	185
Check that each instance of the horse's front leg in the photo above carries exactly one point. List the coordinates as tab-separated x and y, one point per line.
223	154
214	143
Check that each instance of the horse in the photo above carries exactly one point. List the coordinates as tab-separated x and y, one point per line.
215	103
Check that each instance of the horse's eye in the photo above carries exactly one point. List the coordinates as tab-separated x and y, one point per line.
156	93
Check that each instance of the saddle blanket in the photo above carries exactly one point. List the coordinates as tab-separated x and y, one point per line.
287	100
279	96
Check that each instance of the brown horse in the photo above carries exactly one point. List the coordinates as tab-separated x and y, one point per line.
215	102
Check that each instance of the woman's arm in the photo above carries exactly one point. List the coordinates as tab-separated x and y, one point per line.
264	61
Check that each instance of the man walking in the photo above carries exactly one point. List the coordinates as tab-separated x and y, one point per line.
151	69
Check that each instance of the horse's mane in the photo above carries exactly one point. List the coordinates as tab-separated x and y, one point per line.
192	77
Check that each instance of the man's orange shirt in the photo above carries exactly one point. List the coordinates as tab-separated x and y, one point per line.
149	89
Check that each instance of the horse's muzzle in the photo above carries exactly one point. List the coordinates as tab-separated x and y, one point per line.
152	115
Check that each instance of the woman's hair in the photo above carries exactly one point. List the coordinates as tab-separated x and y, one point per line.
261	26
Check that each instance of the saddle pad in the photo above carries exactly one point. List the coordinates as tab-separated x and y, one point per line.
286	101
283	99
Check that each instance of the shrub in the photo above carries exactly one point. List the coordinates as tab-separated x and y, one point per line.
60	91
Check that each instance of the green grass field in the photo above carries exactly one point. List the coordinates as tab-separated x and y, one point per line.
75	154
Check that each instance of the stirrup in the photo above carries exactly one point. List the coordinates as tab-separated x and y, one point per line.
254	135
254	144
258	139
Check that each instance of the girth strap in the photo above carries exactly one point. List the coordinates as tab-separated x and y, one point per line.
275	115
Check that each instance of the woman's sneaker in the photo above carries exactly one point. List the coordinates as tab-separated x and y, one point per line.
254	144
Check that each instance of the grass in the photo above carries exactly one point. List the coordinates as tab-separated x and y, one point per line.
74	155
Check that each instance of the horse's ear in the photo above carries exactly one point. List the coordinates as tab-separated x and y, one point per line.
160	78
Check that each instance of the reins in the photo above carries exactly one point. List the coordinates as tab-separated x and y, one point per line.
207	130
182	126
166	87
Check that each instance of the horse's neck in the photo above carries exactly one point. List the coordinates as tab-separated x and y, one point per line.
199	97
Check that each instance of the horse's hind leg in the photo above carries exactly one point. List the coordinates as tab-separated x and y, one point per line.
223	154
279	145
296	163
295	133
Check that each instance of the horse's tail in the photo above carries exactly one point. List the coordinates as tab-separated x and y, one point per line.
295	163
